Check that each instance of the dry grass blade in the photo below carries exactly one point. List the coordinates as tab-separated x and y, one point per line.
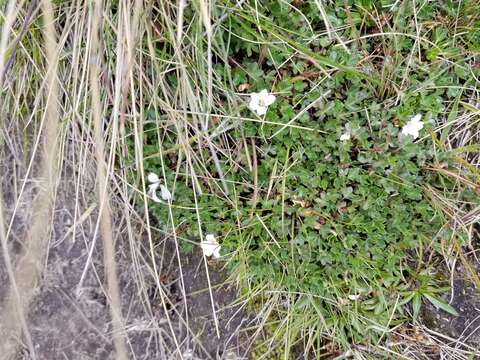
106	228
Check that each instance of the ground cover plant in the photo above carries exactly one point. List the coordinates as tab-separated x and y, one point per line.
231	179
328	213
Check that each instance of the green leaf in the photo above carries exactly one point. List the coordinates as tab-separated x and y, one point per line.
441	304
416	303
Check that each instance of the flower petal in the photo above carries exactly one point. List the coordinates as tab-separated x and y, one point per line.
153	178
253	104
166	195
416	118
152	188
255	97
269	99
152	192
210	246
210	238
261	110
345	136
263	93
216	252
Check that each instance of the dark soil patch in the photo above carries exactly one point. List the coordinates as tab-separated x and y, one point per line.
231	341
466	301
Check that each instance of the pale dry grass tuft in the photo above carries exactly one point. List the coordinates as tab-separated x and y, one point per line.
29	266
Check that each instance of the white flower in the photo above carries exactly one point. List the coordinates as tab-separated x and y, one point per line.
345	136
152	189
353	297
260	102
413	126
210	246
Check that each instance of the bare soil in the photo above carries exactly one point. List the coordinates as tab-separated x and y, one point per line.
232	342
465	299
70	319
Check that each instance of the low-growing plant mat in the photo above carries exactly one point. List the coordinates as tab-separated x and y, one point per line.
333	219
243	179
